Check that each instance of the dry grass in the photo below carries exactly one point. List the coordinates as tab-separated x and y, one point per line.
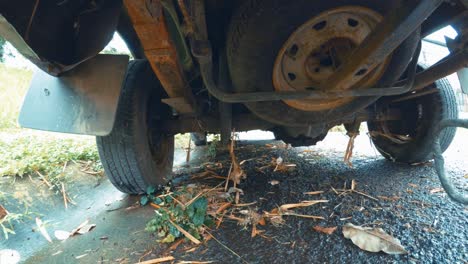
13	86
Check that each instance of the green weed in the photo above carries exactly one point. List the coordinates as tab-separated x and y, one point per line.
180	207
31	155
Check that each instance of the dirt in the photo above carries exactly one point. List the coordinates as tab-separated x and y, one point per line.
429	225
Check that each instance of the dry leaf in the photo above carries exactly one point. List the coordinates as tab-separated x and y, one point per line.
42	229
373	239
74	231
325	230
85	229
61	235
3	212
237	174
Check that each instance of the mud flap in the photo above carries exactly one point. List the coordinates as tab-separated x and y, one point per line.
463	77
81	101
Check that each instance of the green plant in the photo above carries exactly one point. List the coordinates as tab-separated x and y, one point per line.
213	146
182	208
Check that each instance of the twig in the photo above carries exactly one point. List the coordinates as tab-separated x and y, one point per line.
303	216
366	195
245	204
186	234
64	195
189	149
144	255
158	260
313	193
200	194
228	178
44	179
226	247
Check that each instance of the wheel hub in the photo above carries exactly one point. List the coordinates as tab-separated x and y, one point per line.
316	50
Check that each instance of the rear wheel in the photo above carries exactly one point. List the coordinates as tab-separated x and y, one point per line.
297	45
410	138
135	155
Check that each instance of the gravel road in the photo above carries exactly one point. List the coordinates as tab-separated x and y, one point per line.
430	226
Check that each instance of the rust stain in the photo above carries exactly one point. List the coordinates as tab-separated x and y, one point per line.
148	20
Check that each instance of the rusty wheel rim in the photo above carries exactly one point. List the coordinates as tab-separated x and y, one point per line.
317	48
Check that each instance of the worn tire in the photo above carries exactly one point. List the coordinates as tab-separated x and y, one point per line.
256	34
199	139
133	157
422	117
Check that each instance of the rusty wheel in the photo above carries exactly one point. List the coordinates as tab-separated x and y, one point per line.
318	47
296	45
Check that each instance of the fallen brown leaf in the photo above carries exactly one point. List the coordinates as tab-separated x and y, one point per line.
373	239
3	212
237	174
325	230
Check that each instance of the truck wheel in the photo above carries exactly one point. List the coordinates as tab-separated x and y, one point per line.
410	138
134	155
199	139
297	45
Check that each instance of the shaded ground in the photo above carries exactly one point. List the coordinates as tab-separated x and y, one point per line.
429	225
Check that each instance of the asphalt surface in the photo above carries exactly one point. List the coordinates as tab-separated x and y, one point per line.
430	226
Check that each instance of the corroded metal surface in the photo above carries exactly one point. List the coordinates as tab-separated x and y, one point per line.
316	50
150	25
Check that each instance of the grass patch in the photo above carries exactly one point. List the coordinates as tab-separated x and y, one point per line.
46	157
13	86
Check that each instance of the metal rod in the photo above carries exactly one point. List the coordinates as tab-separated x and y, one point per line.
448	65
203	54
414	95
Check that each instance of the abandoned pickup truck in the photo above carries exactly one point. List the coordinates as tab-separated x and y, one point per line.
293	67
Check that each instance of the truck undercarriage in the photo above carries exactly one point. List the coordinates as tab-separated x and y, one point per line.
297	68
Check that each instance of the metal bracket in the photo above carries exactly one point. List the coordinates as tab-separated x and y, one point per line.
439	161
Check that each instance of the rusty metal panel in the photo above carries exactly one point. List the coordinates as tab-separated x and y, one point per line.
148	20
